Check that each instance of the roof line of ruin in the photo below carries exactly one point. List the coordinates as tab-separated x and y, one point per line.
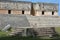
29	2
16	1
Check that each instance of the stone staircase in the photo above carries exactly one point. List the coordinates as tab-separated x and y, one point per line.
34	32
17	31
45	31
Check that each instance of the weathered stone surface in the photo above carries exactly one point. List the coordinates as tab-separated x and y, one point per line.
37	6
45	6
15	5
27	21
27	6
14	21
44	21
50	7
6	27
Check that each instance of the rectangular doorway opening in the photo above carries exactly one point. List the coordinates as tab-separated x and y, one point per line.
42	12
22	11
9	11
52	12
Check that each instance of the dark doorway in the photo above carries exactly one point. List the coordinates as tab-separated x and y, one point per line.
42	12
22	11
9	11
52	12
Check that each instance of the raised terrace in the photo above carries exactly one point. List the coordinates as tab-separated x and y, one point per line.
28	21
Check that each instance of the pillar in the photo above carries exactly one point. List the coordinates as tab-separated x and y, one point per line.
24	32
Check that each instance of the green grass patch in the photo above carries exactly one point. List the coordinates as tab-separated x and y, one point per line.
57	29
24	38
4	34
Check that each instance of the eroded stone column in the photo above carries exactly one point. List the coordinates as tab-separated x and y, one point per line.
24	32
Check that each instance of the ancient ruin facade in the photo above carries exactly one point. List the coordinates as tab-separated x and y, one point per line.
29	18
37	9
15	7
45	9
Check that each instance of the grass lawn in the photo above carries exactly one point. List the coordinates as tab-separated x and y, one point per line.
3	34
25	38
57	29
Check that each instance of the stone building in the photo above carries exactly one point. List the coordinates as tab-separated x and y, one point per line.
45	9
37	9
29	18
11	7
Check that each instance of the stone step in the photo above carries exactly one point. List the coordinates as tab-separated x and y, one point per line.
16	32
44	31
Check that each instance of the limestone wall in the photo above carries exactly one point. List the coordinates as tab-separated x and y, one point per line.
44	21
16	12
46	7
56	13
50	7
18	7
38	13
37	6
28	21
15	5
48	13
27	12
3	11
